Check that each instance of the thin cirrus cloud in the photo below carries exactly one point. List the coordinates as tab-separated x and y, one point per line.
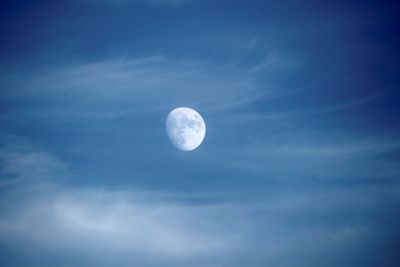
23	165
116	221
299	166
129	86
158	83
148	82
346	158
112	226
122	225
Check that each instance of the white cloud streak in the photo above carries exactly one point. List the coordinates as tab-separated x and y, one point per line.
104	224
137	227
23	164
115	222
151	83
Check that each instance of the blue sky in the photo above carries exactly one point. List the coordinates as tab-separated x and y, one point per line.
299	166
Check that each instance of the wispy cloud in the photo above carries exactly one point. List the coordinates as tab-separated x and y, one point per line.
123	227
313	154
115	221
344	148
142	84
315	111
25	165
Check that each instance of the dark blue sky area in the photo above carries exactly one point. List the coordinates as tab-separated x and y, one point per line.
299	166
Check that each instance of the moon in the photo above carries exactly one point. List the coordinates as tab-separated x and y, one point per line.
185	128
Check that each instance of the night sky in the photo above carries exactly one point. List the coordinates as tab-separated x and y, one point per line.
300	165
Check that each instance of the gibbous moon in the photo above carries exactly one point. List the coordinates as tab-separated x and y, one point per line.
185	128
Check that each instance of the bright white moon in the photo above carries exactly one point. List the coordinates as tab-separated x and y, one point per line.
185	128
